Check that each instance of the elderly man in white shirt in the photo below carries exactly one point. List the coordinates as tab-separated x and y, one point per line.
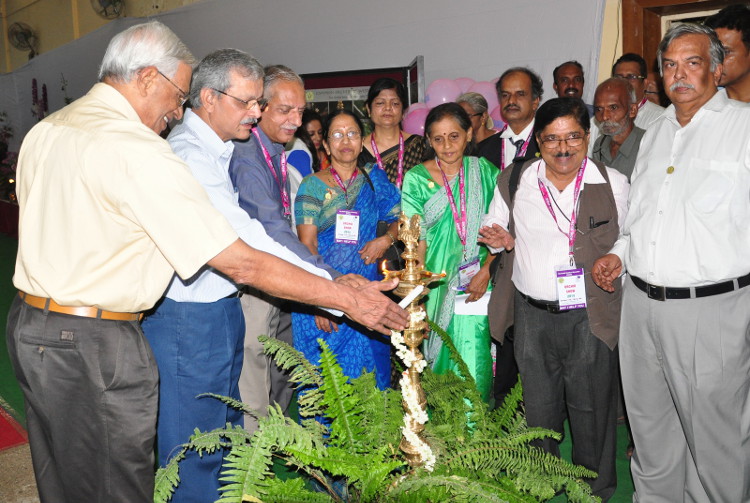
557	215
684	350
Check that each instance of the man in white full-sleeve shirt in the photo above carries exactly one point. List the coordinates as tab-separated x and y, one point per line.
684	348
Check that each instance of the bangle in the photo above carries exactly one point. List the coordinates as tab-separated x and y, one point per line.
393	240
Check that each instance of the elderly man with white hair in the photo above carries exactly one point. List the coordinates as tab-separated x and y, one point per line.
108	213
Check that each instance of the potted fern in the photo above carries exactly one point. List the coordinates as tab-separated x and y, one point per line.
481	455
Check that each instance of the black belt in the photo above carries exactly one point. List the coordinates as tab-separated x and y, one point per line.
545	305
664	292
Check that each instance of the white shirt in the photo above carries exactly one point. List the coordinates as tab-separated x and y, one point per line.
208	158
691	227
541	247
508	136
647	114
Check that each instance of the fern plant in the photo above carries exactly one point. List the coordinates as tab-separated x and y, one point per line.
346	444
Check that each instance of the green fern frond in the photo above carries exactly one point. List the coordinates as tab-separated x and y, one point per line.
457	489
247	467
293	491
507	411
232	402
342	406
382	414
478	413
167	478
303	373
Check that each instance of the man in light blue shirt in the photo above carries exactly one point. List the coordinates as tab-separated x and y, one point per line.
197	330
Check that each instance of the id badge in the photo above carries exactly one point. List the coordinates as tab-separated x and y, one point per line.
347	227
571	288
467	270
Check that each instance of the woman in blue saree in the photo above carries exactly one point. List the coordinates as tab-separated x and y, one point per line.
337	212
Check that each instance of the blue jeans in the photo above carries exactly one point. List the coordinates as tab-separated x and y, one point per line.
198	349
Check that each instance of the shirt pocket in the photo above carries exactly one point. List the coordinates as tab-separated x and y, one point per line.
710	183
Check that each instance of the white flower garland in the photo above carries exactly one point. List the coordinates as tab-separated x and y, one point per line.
414	413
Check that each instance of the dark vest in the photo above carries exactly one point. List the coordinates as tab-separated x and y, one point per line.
603	308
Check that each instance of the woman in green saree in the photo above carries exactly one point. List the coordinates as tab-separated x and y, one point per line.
451	192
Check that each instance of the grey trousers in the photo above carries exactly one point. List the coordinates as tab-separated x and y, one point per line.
566	370
261	381
90	388
686	378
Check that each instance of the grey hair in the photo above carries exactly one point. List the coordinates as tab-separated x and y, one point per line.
278	73
475	100
619	81
715	49
142	45
213	72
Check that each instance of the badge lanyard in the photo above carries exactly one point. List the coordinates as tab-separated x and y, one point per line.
285	201
400	176
340	182
574	216
643	102
461	224
523	150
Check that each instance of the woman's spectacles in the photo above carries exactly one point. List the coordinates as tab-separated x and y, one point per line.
339	135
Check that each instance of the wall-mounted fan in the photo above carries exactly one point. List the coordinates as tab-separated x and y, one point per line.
108	9
23	38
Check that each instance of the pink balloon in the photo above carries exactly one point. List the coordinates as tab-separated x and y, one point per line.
494	81
487	90
464	83
441	91
497	118
416	106
413	122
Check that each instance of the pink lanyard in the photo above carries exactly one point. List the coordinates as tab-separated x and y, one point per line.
574	216
401	149
643	102
285	201
524	147
460	222
340	182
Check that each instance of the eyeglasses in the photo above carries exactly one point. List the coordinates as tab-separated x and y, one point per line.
339	135
183	96
476	115
248	104
573	140
630	76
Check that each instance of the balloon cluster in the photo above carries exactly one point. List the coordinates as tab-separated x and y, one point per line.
446	90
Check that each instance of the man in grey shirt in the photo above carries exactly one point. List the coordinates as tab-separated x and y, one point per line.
259	172
615	109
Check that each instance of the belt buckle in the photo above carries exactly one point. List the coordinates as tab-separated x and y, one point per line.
656	292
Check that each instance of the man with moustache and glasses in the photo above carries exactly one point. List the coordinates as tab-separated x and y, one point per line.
684	349
259	171
549	220
615	108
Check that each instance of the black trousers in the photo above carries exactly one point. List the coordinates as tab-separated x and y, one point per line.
90	388
565	369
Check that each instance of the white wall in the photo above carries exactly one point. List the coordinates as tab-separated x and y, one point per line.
472	38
